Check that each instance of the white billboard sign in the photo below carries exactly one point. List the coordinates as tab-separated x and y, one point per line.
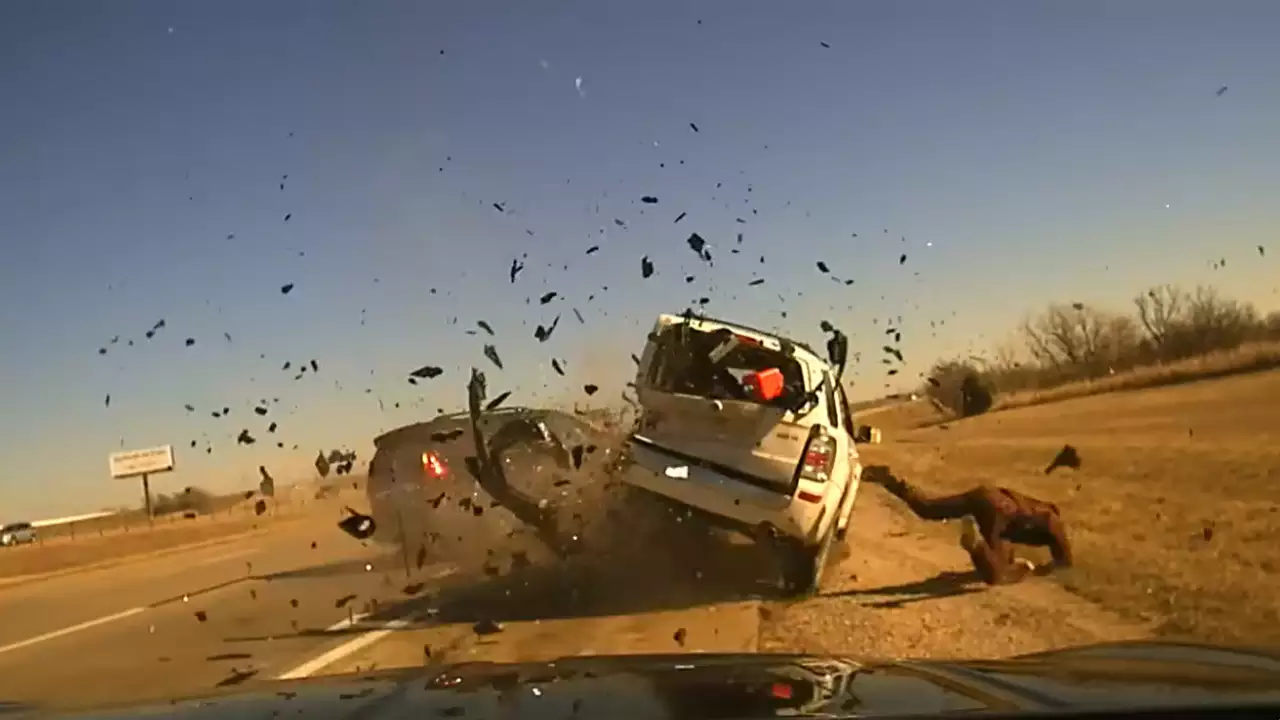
132	463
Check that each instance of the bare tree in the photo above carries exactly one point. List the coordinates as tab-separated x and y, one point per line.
1074	341
1218	323
1065	335
1160	310
1271	324
1120	344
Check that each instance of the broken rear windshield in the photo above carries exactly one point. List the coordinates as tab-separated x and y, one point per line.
715	364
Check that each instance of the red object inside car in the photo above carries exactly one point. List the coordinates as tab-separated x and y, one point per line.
764	385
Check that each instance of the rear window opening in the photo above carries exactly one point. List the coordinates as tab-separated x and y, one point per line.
717	365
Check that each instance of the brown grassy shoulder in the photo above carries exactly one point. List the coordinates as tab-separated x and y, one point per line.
1176	510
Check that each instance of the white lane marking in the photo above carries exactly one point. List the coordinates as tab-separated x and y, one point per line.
72	629
348	622
357	643
115	616
350	647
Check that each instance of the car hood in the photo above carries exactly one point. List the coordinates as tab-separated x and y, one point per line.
1122	675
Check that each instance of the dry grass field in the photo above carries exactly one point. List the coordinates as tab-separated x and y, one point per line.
1175	512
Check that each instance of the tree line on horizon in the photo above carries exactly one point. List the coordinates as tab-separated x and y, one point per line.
1073	342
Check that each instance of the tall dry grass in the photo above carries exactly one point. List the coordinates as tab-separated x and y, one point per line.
1250	357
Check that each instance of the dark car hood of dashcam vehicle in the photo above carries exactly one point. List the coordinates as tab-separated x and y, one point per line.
1131	677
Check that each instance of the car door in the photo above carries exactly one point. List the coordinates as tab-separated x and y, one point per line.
757	443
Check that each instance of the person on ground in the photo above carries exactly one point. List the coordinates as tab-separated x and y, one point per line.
994	519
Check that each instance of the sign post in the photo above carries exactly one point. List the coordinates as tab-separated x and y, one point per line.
142	463
146	500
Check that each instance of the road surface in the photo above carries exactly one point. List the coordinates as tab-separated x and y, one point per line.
270	603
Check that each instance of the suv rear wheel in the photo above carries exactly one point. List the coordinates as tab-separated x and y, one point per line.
803	565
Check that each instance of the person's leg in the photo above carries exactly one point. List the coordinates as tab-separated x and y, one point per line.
985	504
926	507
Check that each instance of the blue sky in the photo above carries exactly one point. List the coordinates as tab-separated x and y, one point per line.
1018	153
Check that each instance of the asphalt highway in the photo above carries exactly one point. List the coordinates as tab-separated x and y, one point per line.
250	609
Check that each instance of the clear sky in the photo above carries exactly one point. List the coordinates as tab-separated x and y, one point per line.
1016	152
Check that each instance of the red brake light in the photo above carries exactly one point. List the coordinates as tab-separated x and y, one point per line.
433	465
816	458
819	458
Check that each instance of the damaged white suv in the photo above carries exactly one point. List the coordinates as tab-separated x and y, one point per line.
753	432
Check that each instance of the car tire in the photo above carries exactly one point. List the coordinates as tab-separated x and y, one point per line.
804	565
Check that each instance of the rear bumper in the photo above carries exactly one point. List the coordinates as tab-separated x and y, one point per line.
724	501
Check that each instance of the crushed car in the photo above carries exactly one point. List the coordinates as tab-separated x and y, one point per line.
749	431
434	484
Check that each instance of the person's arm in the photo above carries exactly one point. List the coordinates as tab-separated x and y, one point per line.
1060	547
996	564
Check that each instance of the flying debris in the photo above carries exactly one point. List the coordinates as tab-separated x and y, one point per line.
491	352
427	372
544	333
357	525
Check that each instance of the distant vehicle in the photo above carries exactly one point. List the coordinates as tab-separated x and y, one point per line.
752	431
17	534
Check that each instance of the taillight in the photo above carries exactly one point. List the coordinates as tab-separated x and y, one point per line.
819	457
432	465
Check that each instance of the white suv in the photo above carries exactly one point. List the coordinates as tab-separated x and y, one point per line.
784	470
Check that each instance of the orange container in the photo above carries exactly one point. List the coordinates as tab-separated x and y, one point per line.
764	385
